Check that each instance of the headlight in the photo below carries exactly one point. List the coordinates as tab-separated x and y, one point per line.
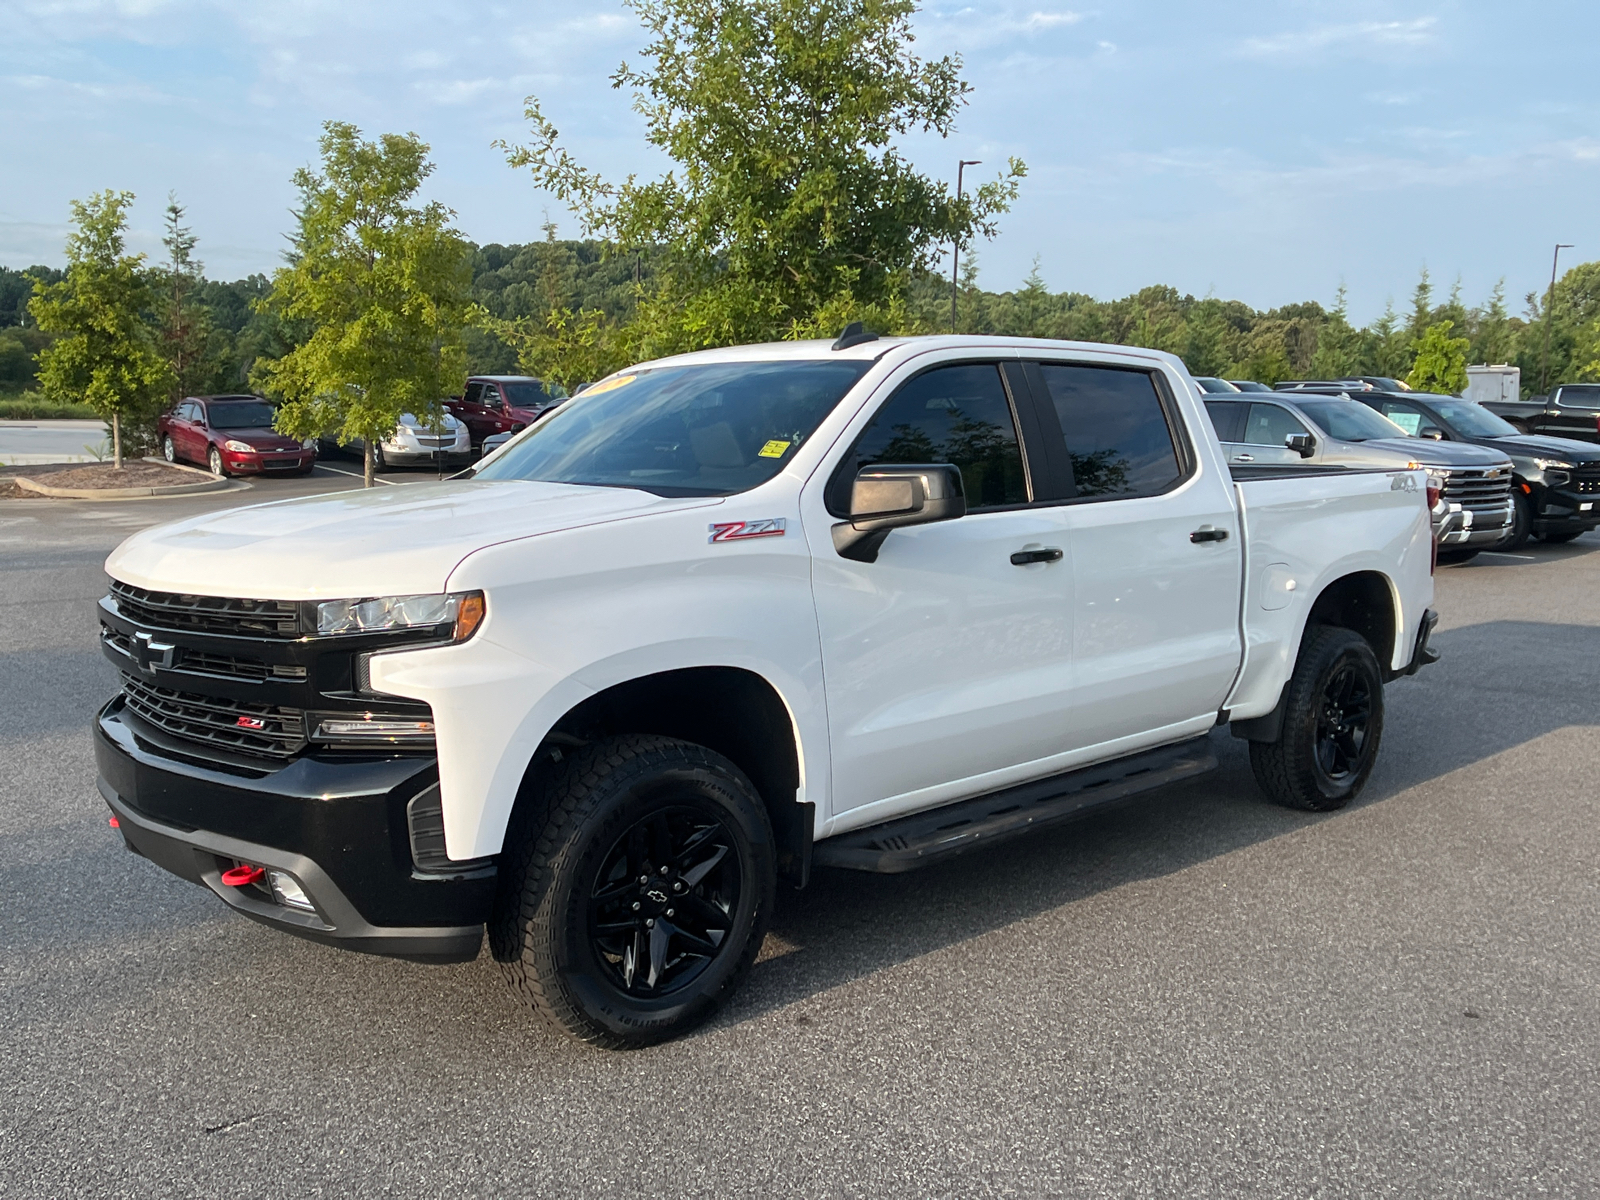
309	444
1546	464
461	610
239	447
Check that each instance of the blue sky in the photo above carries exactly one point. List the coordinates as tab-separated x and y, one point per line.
1258	151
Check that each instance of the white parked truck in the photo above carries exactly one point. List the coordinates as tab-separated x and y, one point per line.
728	615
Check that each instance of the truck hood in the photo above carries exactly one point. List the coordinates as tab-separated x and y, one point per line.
1528	444
391	541
1441	454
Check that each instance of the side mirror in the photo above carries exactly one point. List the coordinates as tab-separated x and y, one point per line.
894	496
1432	432
1302	444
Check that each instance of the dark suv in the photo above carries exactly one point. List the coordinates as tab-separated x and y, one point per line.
494	404
1555	481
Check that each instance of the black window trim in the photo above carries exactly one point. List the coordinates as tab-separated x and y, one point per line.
1014	400
1177	428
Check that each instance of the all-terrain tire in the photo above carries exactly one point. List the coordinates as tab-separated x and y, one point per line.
1301	769
580	815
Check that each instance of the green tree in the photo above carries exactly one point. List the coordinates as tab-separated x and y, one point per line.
789	210
103	354
380	286
185	331
1441	361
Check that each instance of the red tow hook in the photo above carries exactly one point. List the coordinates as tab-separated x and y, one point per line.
116	824
242	876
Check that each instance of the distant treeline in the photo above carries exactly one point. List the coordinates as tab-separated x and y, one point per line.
1213	336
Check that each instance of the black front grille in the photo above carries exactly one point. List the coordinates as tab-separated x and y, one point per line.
208	614
188	661
268	731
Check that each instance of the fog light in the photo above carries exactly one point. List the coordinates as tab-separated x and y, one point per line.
377	729
289	893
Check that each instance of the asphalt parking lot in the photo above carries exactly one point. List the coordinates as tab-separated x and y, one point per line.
1194	994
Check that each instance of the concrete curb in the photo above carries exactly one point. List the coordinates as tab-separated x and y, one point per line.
206	483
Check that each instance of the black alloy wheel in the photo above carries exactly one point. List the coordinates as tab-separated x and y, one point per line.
1332	724
1343	723
662	903
214	461
168	450
635	887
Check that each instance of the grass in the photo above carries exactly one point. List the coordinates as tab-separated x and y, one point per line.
30	406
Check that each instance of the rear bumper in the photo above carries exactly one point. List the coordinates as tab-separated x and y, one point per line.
337	826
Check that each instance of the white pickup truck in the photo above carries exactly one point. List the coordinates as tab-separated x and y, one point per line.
728	615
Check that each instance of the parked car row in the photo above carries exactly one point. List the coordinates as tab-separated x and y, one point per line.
1496	485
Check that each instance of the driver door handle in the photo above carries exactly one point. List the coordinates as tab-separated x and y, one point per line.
1047	554
1207	534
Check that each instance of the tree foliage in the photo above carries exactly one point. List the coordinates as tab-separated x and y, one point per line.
1441	361
378	287
789	211
103	353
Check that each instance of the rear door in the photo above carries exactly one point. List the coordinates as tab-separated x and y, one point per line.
1156	555
1228	419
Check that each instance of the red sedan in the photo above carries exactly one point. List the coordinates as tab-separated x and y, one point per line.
232	435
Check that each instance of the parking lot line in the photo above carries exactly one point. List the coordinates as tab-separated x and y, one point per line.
1503	554
352	474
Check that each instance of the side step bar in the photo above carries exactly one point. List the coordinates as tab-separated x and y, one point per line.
910	842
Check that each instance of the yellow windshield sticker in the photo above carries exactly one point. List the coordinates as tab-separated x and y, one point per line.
773	449
610	385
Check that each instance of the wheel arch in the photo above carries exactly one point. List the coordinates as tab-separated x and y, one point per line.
733	711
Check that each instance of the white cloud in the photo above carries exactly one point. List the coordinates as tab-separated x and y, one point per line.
1049	20
1416	32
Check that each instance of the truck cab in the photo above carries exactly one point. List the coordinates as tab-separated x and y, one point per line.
491	404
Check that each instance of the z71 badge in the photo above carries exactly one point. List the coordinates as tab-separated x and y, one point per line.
738	531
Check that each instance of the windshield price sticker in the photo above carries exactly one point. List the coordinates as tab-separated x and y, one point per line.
773	449
738	531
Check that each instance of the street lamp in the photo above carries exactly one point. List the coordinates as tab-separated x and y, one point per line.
955	253
1549	305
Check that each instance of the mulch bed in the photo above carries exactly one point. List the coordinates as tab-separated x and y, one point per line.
92	475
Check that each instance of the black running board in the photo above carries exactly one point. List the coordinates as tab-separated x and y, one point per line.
910	842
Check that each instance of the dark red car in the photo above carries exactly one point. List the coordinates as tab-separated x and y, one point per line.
503	404
232	435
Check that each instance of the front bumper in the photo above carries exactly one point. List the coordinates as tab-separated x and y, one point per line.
407	456
1459	526
337	824
268	463
1562	510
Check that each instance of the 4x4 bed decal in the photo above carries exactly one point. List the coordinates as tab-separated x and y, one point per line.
738	531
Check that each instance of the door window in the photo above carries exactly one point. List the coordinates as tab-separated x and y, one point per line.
473	394
956	414
1269	425
1115	428
1227	418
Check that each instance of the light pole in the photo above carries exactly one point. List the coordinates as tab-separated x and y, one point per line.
955	252
1549	305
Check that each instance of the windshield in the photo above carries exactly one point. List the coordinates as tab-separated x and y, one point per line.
533	395
1472	419
1579	396
1348	420
247	414
711	429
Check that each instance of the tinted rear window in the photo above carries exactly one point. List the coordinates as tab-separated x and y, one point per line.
1579	396
1115	429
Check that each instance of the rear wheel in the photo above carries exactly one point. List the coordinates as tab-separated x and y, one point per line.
635	892
1332	724
214	461
168	450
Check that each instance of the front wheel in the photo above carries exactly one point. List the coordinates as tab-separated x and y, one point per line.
1521	522
635	891
1332	724
214	461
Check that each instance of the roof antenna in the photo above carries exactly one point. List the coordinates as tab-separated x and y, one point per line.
854	334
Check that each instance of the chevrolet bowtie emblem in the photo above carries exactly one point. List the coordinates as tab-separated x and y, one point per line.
150	654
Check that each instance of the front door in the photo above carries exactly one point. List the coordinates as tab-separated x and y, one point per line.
1156	557
945	662
1264	438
